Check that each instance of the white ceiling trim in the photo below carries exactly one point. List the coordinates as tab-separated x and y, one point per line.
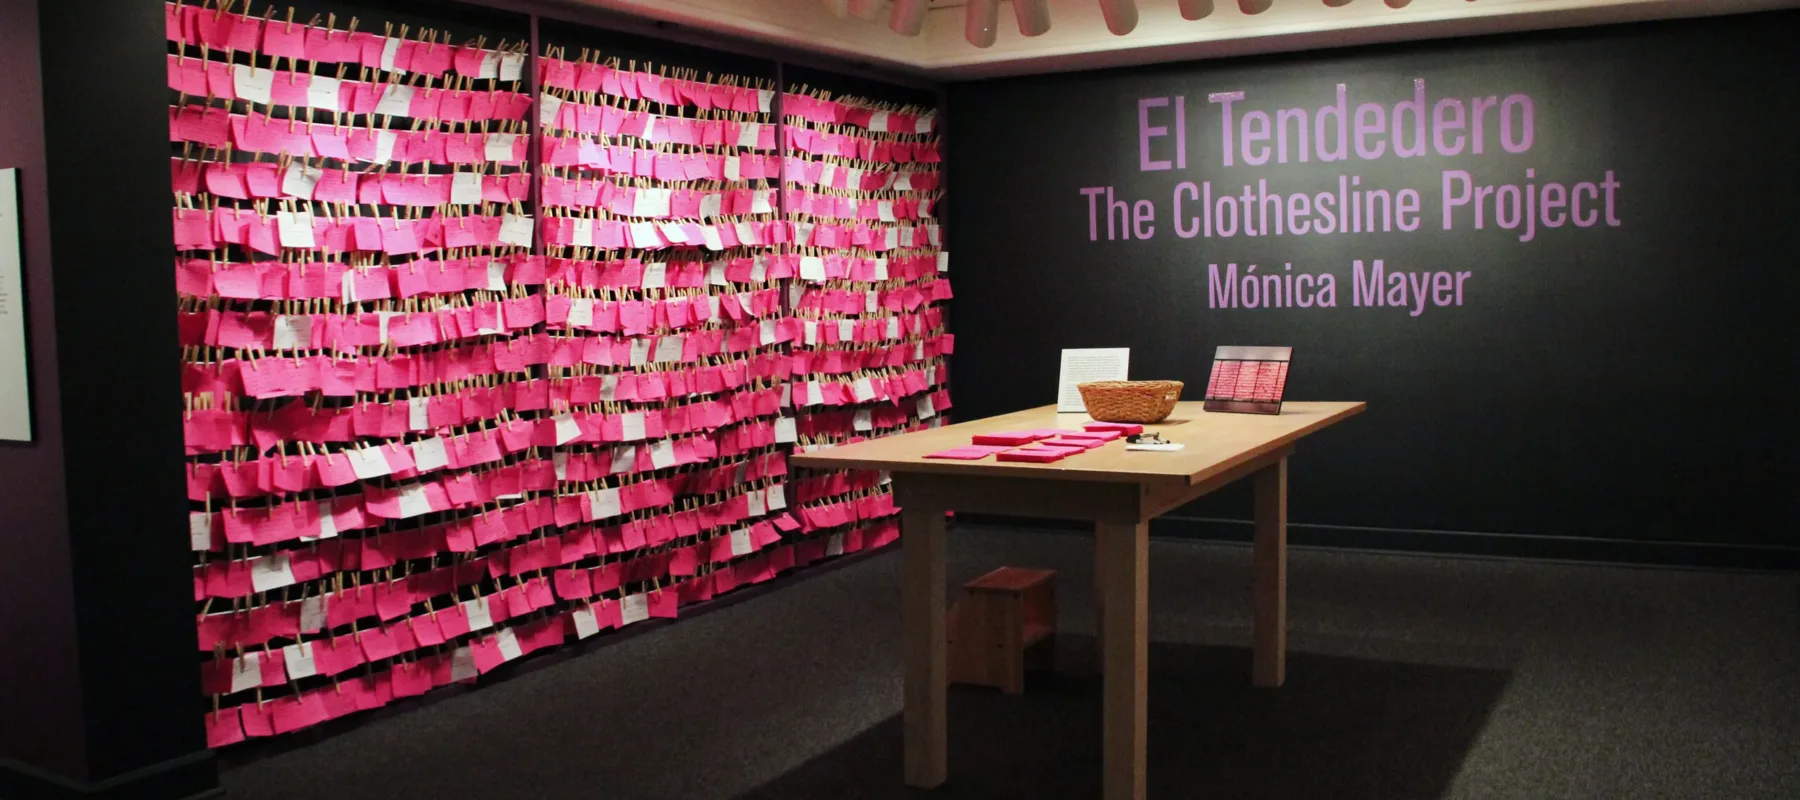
1078	38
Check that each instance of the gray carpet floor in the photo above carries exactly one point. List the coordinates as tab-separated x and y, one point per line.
1409	677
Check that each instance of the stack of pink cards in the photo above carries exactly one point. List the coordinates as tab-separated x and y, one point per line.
969	453
1099	436
1039	454
1121	428
1069	441
1009	439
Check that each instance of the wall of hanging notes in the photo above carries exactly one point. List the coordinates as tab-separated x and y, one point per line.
860	184
471	373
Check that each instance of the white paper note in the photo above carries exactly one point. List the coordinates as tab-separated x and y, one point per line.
512	66
581	312
413	501
631	426
299	658
462	665
293	332
516	230
368	463
509	644
430	454
396	99
1086	365
586	623
313	613
299	180
252	84
271	572
567	429
295	229
246	672
477	609
499	146
634	608
662	454
199	531
322	93
465	188
549	106
604	503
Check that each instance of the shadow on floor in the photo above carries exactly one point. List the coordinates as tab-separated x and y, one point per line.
1341	728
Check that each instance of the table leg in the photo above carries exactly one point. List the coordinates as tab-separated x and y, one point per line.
922	601
1270	584
1123	566
1099	599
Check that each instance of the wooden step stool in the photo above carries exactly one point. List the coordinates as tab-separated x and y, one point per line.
1004	622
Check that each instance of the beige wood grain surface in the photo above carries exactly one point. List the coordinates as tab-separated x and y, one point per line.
1214	443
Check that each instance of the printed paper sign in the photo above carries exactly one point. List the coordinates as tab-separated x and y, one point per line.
1085	366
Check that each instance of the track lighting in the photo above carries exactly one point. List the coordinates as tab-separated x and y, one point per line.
1121	15
908	18
1398	3
1254	6
1336	3
1034	16
982	23
1196	9
866	10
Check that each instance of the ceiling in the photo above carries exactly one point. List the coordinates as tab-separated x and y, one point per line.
1078	37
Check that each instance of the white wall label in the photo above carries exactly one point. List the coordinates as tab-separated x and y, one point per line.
15	391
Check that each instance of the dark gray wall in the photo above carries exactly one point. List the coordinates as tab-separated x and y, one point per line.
1628	382
34	574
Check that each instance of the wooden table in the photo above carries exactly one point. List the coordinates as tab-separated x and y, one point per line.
1119	491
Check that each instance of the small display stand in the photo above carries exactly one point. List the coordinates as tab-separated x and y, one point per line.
1248	380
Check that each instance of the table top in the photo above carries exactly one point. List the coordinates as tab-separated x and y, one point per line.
1215	442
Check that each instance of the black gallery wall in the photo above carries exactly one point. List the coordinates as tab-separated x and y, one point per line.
1606	380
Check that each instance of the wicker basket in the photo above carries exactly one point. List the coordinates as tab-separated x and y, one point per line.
1130	401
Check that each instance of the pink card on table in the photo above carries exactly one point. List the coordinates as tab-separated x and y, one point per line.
1121	428
1094	436
1079	444
970	453
1038	455
1011	439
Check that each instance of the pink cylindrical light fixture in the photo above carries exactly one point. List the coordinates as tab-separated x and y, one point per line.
908	18
982	23
869	10
1336	3
1121	15
1398	3
1254	6
1196	9
1034	16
